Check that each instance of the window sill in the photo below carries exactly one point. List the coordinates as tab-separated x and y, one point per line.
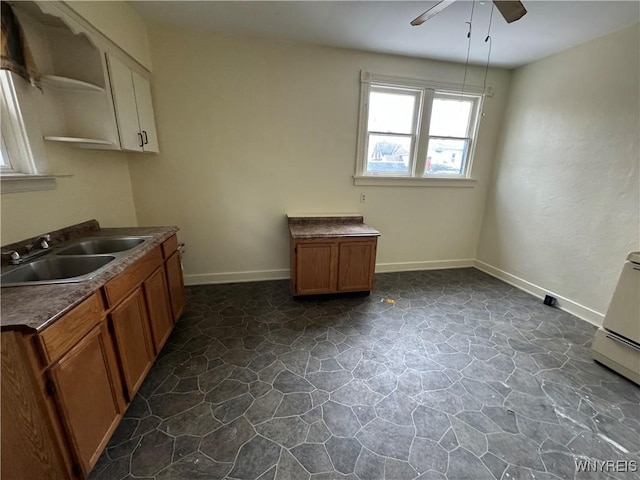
19	182
414	181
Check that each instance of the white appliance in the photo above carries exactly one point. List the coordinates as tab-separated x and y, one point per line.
617	342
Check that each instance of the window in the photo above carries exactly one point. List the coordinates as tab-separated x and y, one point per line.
16	154
19	170
414	130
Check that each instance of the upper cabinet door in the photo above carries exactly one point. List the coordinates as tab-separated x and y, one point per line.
134	108
145	113
124	100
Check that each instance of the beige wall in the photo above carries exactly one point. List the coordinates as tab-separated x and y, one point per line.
564	206
100	188
251	129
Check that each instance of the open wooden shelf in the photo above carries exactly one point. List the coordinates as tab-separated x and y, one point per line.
64	83
82	142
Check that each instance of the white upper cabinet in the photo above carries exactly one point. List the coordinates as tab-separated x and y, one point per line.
133	106
75	105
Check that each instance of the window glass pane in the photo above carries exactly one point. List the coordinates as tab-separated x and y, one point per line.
391	112
4	156
389	155
446	156
450	117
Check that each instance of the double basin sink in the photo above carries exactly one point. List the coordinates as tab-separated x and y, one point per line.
78	261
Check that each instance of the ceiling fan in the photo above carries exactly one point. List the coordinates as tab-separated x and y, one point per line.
511	10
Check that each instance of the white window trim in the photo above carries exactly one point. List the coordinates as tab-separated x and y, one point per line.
418	163
23	175
14	131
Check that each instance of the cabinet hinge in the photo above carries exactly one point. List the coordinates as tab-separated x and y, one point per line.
50	387
295	249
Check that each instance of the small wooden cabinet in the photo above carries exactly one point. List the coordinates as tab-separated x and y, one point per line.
330	256
65	389
333	265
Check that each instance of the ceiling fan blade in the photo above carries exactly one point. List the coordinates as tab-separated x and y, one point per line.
511	10
433	11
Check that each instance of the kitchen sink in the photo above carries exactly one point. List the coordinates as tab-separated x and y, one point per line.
99	246
54	269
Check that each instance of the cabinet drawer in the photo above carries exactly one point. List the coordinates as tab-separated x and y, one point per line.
68	330
132	277
169	246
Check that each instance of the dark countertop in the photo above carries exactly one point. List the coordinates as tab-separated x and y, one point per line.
34	307
330	226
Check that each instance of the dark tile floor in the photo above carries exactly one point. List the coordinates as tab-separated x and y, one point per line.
463	377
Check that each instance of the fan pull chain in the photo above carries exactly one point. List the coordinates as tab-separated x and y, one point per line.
490	40
466	63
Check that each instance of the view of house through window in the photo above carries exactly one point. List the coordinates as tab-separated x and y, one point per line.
417	132
391	123
448	135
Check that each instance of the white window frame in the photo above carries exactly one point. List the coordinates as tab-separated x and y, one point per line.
22	174
417	95
428	91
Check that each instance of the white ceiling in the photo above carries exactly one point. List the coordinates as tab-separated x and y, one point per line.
383	26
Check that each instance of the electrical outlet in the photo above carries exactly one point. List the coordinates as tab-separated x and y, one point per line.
363	198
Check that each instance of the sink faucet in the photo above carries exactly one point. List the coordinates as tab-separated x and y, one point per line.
39	247
43	241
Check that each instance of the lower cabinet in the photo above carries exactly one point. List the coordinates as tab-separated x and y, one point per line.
356	265
87	389
315	265
175	280
65	389
133	343
330	265
156	295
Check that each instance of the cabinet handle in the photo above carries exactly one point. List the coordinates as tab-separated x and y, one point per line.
146	140
141	141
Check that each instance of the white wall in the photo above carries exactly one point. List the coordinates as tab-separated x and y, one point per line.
564	206
252	129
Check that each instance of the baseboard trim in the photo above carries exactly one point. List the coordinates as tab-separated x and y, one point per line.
563	303
574	308
283	274
415	266
236	277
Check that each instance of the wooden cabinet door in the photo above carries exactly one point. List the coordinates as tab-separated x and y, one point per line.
356	265
157	296
89	393
175	280
315	265
133	340
146	120
124	99
29	445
